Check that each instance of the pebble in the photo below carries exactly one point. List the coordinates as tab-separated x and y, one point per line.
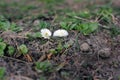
36	22
85	47
104	53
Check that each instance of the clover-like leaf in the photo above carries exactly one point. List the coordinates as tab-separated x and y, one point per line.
23	49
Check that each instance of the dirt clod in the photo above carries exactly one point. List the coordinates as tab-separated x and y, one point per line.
119	58
85	47
36	22
104	53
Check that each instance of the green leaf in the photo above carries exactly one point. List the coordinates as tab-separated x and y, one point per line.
64	25
11	50
34	35
15	28
42	78
1	53
4	25
37	35
85	14
43	24
2	45
2	73
59	47
23	49
93	26
69	43
44	66
1	39
87	28
53	51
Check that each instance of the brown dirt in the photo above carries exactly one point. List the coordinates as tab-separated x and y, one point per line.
72	63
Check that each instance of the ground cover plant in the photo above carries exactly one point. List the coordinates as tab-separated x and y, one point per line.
59	40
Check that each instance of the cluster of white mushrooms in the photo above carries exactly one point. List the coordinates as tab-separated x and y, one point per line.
46	33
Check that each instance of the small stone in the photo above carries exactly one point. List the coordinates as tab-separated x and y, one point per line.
36	22
85	47
104	53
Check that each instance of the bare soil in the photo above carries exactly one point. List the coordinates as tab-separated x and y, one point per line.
93	57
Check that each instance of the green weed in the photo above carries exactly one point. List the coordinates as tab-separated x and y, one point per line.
114	31
44	66
2	48
5	25
42	78
2	73
34	35
23	49
41	25
53	51
11	50
87	28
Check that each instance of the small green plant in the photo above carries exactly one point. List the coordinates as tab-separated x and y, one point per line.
6	25
114	31
42	78
44	66
105	14
11	50
84	14
2	73
41	25
64	25
15	28
2	48
53	51
34	35
23	49
67	26
68	44
59	47
1	39
87	28
37	35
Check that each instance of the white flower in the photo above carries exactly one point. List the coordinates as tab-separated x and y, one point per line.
46	33
60	33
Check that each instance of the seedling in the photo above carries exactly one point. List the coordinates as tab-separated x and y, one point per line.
68	44
2	73
44	66
85	14
15	28
87	28
6	25
1	39
64	25
37	35
59	47
41	25
42	78
114	31
2	48
11	50
105	14
23	49
53	51
34	35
